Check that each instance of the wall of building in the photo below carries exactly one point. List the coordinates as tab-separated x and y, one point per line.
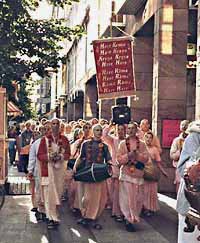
143	66
165	88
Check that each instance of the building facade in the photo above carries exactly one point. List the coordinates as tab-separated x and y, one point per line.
164	52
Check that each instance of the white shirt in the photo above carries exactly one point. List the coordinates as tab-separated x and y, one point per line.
32	163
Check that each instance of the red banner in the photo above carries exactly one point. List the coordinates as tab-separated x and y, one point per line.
170	130
114	66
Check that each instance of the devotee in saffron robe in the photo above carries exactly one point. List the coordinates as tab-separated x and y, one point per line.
113	142
95	194
132	155
87	134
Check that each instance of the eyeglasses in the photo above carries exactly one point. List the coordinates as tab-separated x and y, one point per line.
87	127
55	123
98	130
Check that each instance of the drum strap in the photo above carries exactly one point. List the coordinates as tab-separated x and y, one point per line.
92	170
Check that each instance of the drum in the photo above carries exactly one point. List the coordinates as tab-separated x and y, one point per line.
71	163
95	173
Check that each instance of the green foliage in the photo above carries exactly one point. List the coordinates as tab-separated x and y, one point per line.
28	45
62	3
24	101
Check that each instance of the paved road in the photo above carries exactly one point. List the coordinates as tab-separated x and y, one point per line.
18	225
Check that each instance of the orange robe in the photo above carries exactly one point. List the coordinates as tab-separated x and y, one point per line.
131	190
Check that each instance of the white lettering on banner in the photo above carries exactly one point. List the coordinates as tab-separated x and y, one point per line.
105	59
105	46
121	62
105	52
121	76
114	64
118	44
117	70
107	64
120	51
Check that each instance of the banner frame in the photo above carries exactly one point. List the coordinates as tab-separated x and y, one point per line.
123	93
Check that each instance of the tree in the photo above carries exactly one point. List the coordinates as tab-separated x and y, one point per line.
28	45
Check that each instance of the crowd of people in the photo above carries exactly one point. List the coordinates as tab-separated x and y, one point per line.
46	149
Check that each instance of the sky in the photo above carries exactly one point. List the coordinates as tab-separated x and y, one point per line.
43	12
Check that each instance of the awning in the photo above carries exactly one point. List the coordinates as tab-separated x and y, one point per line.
130	7
12	109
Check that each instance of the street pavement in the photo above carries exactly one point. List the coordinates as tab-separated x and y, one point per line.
18	225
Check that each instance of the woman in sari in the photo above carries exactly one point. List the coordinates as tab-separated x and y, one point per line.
151	187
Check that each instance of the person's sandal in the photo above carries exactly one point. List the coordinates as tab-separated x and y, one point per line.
97	227
129	227
119	219
79	221
85	223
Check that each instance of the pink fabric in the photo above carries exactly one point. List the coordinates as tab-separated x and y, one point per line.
151	188
110	192
131	194
94	199
122	157
73	192
113	143
154	153
115	197
131	200
72	188
150	196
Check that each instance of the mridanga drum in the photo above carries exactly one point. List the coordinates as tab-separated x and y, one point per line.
96	172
